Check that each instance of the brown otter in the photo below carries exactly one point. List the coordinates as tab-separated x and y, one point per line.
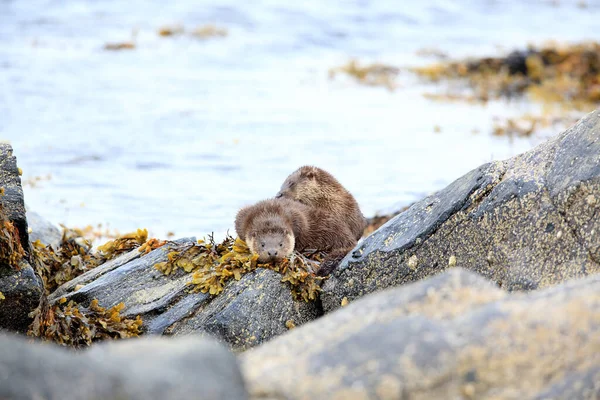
319	189
273	228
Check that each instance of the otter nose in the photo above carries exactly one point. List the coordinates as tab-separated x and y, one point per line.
278	195
272	253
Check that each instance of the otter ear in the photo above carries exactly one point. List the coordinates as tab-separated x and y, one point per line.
254	234
286	232
310	174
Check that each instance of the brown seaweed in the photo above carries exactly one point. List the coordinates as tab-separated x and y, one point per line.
70	324
213	265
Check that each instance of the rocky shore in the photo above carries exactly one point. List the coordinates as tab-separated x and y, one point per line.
486	289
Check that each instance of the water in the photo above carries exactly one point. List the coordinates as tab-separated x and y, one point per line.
179	133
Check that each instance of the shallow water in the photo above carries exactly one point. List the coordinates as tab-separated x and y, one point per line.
179	133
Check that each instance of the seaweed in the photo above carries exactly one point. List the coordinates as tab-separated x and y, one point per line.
75	255
11	249
569	75
209	31
126	45
73	258
201	32
70	324
213	265
123	244
371	75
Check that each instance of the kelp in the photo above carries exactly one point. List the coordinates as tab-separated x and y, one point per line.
568	75
371	75
70	324
213	265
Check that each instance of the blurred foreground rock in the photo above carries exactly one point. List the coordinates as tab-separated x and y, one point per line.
528	222
451	336
247	313
151	368
20	290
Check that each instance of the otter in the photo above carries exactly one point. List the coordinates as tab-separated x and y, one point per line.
271	228
317	188
274	228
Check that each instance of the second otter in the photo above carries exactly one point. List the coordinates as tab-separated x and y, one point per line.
319	189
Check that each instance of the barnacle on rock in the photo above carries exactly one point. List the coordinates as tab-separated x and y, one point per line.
70	324
213	265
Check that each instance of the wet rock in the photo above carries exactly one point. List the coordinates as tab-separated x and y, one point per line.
19	287
43	230
525	223
150	368
454	335
247	313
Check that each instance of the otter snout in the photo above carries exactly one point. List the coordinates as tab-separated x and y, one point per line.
278	195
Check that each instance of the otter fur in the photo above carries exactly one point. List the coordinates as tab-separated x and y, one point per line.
340	222
274	228
317	188
270	228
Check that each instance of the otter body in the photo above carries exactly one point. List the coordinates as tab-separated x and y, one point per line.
274	228
318	189
311	211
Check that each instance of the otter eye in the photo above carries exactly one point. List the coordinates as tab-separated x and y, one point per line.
262	245
280	244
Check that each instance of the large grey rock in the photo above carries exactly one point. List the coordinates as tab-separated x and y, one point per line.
528	222
247	313
151	368
20	288
43	230
452	336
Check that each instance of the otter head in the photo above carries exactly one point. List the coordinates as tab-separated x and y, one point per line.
271	246
307	185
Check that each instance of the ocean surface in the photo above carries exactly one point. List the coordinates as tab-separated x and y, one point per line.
179	133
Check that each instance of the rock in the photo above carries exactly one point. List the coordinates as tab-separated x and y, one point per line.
150	368
454	335
20	288
12	200
42	230
527	222
247	313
